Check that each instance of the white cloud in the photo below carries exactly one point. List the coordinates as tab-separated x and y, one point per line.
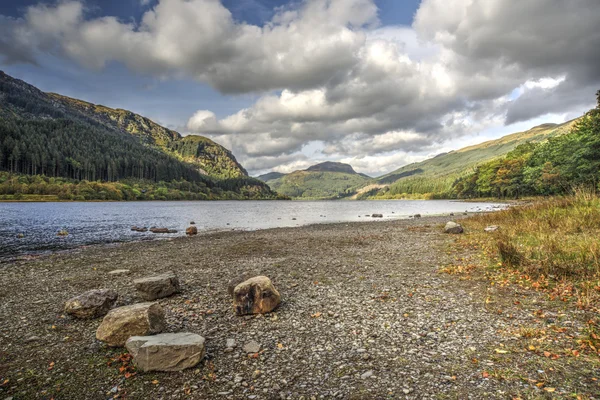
328	74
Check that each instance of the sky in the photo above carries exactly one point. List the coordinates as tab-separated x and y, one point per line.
286	84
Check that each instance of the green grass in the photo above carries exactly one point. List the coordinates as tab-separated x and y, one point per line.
551	245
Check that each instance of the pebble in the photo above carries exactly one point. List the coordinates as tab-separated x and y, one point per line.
252	347
366	375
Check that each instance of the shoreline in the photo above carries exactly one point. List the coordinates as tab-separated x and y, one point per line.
39	254
365	313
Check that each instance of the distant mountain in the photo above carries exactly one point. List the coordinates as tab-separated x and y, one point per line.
270	176
327	180
58	136
437	174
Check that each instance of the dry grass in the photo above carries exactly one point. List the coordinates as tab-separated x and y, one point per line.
553	244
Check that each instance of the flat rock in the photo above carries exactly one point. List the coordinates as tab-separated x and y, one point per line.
91	304
166	351
255	296
251	347
119	272
453	227
157	287
491	228
135	320
377	216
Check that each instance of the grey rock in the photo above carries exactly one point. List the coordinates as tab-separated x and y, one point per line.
377	216
251	347
157	287
492	228
91	304
453	227
119	272
166	351
367	374
230	343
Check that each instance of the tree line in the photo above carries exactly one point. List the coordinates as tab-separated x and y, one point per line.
552	167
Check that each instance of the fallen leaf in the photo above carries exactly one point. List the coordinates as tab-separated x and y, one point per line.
500	351
51	366
316	315
155	382
531	347
549	389
485	374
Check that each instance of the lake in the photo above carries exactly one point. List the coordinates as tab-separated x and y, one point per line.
106	222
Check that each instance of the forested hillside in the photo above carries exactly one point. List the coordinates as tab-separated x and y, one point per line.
59	137
435	177
548	168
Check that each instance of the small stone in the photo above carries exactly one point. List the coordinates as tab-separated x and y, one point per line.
91	304
251	347
238	379
230	343
192	230
166	351
377	216
492	228
256	374
157	287
119	272
453	228
367	374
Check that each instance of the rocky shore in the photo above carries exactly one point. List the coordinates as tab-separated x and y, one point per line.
364	314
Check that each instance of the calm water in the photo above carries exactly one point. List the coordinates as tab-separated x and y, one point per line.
92	223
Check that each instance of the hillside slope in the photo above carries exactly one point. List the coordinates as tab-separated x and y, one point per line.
328	180
209	157
437	174
61	137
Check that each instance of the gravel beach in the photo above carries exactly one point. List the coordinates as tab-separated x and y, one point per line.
365	314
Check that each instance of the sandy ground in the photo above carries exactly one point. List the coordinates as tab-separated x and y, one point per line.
365	315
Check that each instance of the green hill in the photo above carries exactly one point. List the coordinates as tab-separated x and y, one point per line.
436	175
60	137
329	180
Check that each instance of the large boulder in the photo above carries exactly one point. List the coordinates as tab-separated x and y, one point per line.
91	304
157	287
192	230
239	279
167	351
255	296
453	227
135	320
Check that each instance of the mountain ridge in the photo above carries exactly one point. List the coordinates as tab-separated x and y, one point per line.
62	137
